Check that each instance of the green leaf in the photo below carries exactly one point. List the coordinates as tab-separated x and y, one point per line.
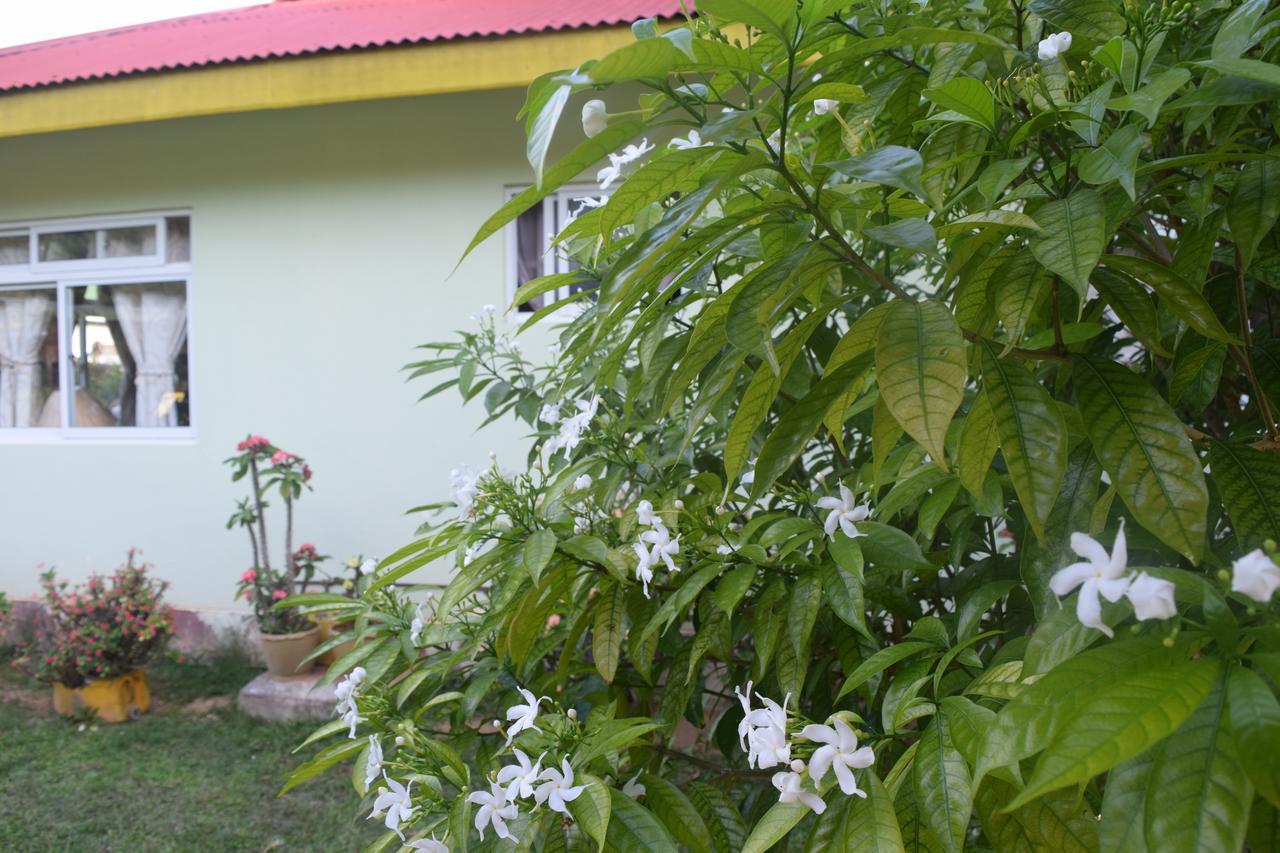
802	612
1123	825
1117	722
544	115
612	736
633	828
647	59
891	166
1236	33
322	761
1251	69
920	366
675	810
1254	715
1055	823
1115	160
1254	206
1074	237
1249	482
943	786
915	234
1148	100
1095	20
774	825
888	547
882	660
1145	449
967	96
844	590
1032	434
775	17
1181	296
871	826
1044	555
538	550
1133	306
653	182
1197	793
592	808
606	635
977	445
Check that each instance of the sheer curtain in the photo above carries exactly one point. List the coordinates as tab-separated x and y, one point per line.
153	319
24	322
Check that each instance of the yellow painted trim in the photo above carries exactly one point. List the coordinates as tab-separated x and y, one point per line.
467	65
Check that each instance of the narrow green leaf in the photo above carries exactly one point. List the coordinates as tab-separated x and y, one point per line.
1095	20
1114	160
1058	822
1254	715
676	811
633	828
1254	206
892	165
538	550
1148	100
1181	296
1123	825
606	635
1249	482
592	808
871	826
1074	237
943	785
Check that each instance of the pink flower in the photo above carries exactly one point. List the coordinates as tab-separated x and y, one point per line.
553	620
283	457
278	594
249	576
253	442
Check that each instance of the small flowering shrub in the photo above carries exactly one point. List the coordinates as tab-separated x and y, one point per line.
268	468
906	477
103	628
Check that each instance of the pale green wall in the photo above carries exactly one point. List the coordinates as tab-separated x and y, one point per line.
322	242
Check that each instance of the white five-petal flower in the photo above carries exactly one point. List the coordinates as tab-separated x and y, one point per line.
634	788
373	764
582	482
840	752
1051	47
495	810
519	778
1099	574
767	744
595	118
789	784
664	547
549	413
369	566
395	802
1255	575
644	566
557	787
694	140
522	716
428	844
822	106
845	511
346	691
1151	597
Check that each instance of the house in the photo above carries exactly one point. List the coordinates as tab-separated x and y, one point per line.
245	221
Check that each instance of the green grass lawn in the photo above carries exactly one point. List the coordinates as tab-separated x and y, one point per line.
194	774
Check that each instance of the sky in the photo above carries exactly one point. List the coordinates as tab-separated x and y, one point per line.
24	21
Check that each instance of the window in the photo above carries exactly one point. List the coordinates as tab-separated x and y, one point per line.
94	329
529	252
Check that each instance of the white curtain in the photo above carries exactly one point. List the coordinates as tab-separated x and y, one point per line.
24	321
154	321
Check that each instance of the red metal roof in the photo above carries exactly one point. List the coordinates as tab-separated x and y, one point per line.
299	27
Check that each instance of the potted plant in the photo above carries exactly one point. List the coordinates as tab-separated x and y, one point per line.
287	637
100	635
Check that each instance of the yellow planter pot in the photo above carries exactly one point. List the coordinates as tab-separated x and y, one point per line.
113	700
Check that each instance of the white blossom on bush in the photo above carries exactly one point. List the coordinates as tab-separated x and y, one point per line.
522	716
1100	574
428	844
845	511
571	428
557	788
595	118
764	730
788	783
373	764
519	778
582	482
693	140
369	566
822	106
1255	575
663	546
606	176
495	810
839	752
1151	597
464	485
394	802
644	566
1051	47
634	788
346	691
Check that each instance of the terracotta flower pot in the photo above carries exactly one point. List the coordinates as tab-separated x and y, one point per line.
113	700
284	652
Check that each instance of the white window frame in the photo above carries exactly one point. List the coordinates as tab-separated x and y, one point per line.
555	212
61	277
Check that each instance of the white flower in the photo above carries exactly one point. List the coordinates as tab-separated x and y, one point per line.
693	141
606	176
582	483
346	691
594	117
633	788
571	428
416	626
473	550
428	844
557	788
844	512
396	804
613	171
549	413
591	203
840	752
646	515
1100	574
765	731
789	788
664	547
494	810
1255	575
522	716
822	106
728	549
373	764
488	310
1053	46
519	778
463	488
644	568
369	566
1152	598
634	152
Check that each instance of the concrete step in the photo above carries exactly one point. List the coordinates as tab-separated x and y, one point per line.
281	700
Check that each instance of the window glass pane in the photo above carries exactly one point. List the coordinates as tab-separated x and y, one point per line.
530	247
28	358
68	246
177	239
15	249
129	355
129	242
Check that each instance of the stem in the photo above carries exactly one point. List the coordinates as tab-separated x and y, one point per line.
262	519
253	541
1245	353
288	544
1057	318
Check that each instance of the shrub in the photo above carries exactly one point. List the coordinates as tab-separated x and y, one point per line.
868	507
103	628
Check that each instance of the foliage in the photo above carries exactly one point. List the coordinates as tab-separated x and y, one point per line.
103	628
919	300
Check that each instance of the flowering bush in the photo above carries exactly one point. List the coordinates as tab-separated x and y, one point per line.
103	628
868	508
268	468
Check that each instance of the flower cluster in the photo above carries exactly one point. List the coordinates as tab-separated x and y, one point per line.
606	176
346	692
655	545
572	427
105	628
464	485
1107	575
763	734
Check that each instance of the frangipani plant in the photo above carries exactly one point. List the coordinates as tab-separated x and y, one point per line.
906	476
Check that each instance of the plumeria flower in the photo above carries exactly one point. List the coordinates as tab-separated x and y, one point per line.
557	788
1255	575
840	752
633	788
519	778
395	802
664	547
822	106
494	810
522	716
1053	46
1100	574
582	483
845	511
594	117
373	764
788	783
1152	598
428	844
644	568
694	140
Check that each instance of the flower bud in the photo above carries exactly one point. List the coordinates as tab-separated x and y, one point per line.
571	714
679	504
400	741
